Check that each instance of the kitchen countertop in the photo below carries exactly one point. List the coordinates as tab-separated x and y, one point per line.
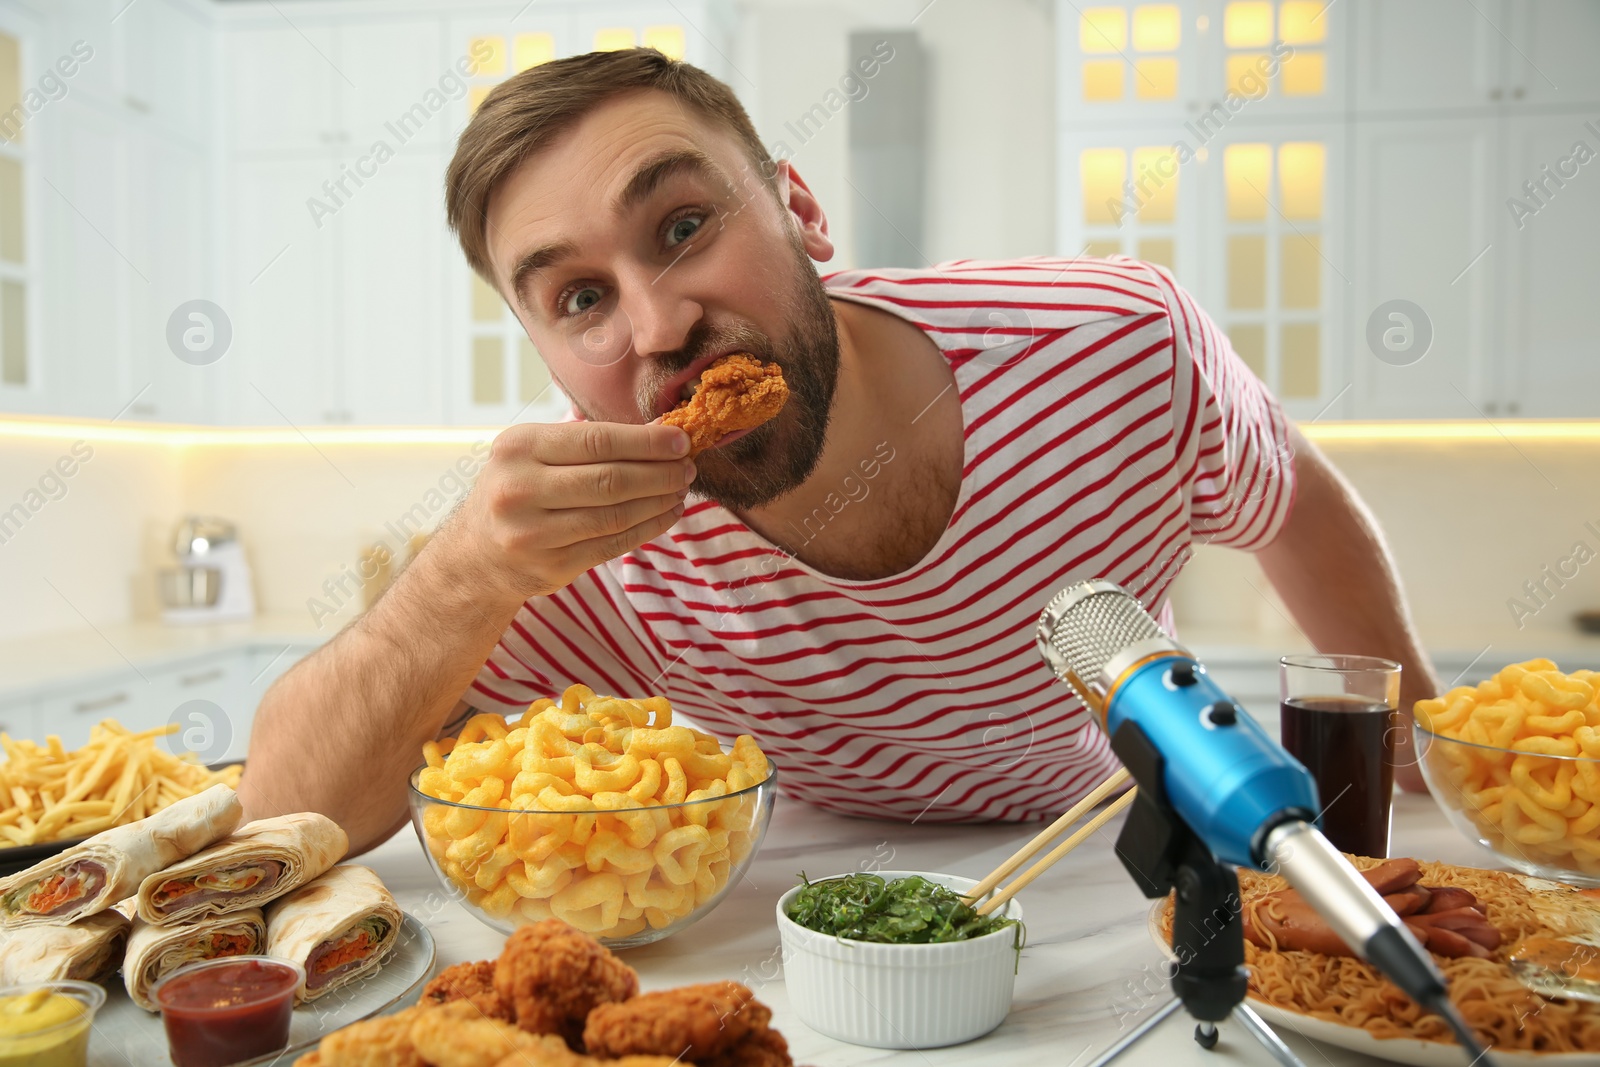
1089	971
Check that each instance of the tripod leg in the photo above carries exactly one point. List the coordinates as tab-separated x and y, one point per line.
1139	1031
1264	1034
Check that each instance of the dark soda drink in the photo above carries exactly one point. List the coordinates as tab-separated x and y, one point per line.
1347	743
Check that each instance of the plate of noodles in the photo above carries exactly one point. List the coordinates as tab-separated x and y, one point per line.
1345	1002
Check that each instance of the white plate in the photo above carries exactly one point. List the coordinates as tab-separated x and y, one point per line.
1394	1049
125	1035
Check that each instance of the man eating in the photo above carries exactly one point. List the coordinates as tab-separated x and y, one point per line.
854	581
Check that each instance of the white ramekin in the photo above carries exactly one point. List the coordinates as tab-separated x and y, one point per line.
899	996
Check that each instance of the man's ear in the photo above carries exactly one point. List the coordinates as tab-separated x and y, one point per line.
806	212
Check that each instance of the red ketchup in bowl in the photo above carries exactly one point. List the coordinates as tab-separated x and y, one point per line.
226	1010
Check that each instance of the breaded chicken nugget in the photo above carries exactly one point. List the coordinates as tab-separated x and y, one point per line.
457	1035
381	1042
471	982
698	1023
737	392
552	976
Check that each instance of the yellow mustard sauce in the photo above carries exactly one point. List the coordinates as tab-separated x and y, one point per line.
34	1030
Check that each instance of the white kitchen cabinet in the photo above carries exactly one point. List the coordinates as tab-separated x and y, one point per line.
16	718
284	293
393	245
86	275
1418	237
281	88
168	68
1549	56
394	68
1420	55
1547	340
171	234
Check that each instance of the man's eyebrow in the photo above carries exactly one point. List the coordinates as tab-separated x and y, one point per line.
536	261
667	165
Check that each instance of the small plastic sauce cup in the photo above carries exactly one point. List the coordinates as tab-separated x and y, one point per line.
226	1010
47	1025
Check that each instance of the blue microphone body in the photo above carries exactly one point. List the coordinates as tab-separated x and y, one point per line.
1230	780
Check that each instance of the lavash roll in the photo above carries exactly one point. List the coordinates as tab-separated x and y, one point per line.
84	951
305	844
124	856
156	951
347	901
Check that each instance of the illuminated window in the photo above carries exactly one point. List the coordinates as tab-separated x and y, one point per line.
1103	171
1155	78
1300	167
1109	53
614	38
1247	24
1301	66
532	49
1102	29
491	55
1301	22
1155	183
1102	80
1247	172
1130	201
668	40
488	370
1273	226
475	97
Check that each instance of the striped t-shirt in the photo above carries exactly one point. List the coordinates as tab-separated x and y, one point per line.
1108	427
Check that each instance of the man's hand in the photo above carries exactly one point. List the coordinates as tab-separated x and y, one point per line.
557	500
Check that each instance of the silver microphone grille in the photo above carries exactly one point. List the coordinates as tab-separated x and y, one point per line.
1087	631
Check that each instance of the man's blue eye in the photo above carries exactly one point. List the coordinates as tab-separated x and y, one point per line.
582	300
683	229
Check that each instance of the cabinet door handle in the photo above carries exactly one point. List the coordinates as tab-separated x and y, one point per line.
100	704
1495	93
1517	93
204	676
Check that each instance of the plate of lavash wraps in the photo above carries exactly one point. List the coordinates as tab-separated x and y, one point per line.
190	883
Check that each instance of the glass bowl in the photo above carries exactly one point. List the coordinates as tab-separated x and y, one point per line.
625	876
1531	810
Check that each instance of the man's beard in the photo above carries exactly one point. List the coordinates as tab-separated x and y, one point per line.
778	456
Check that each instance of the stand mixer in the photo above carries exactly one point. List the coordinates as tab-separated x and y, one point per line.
212	580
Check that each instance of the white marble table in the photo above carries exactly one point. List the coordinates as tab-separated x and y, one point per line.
1089	971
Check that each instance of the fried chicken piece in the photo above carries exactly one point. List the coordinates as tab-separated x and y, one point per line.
759	1048
384	1041
471	982
702	1024
552	976
458	1035
737	392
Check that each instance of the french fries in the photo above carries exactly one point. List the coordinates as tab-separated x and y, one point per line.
117	778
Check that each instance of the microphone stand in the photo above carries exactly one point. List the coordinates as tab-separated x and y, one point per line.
1163	854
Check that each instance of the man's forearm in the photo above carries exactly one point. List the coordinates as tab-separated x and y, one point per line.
1334	572
341	732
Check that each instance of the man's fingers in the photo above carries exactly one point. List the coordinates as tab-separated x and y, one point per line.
596	484
573	527
603	442
589	554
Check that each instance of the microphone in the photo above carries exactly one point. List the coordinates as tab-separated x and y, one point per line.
1249	801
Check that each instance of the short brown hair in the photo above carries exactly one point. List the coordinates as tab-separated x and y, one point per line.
526	112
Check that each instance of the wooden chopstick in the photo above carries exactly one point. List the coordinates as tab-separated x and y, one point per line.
1055	854
1048	834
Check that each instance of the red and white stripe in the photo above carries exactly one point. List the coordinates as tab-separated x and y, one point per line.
1109	427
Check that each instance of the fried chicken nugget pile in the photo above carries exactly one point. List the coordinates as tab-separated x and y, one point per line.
718	1024
552	976
558	998
737	392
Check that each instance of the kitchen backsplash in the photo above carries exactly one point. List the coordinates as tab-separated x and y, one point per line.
1496	543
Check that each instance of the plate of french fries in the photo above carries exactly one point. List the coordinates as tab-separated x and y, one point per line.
55	797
